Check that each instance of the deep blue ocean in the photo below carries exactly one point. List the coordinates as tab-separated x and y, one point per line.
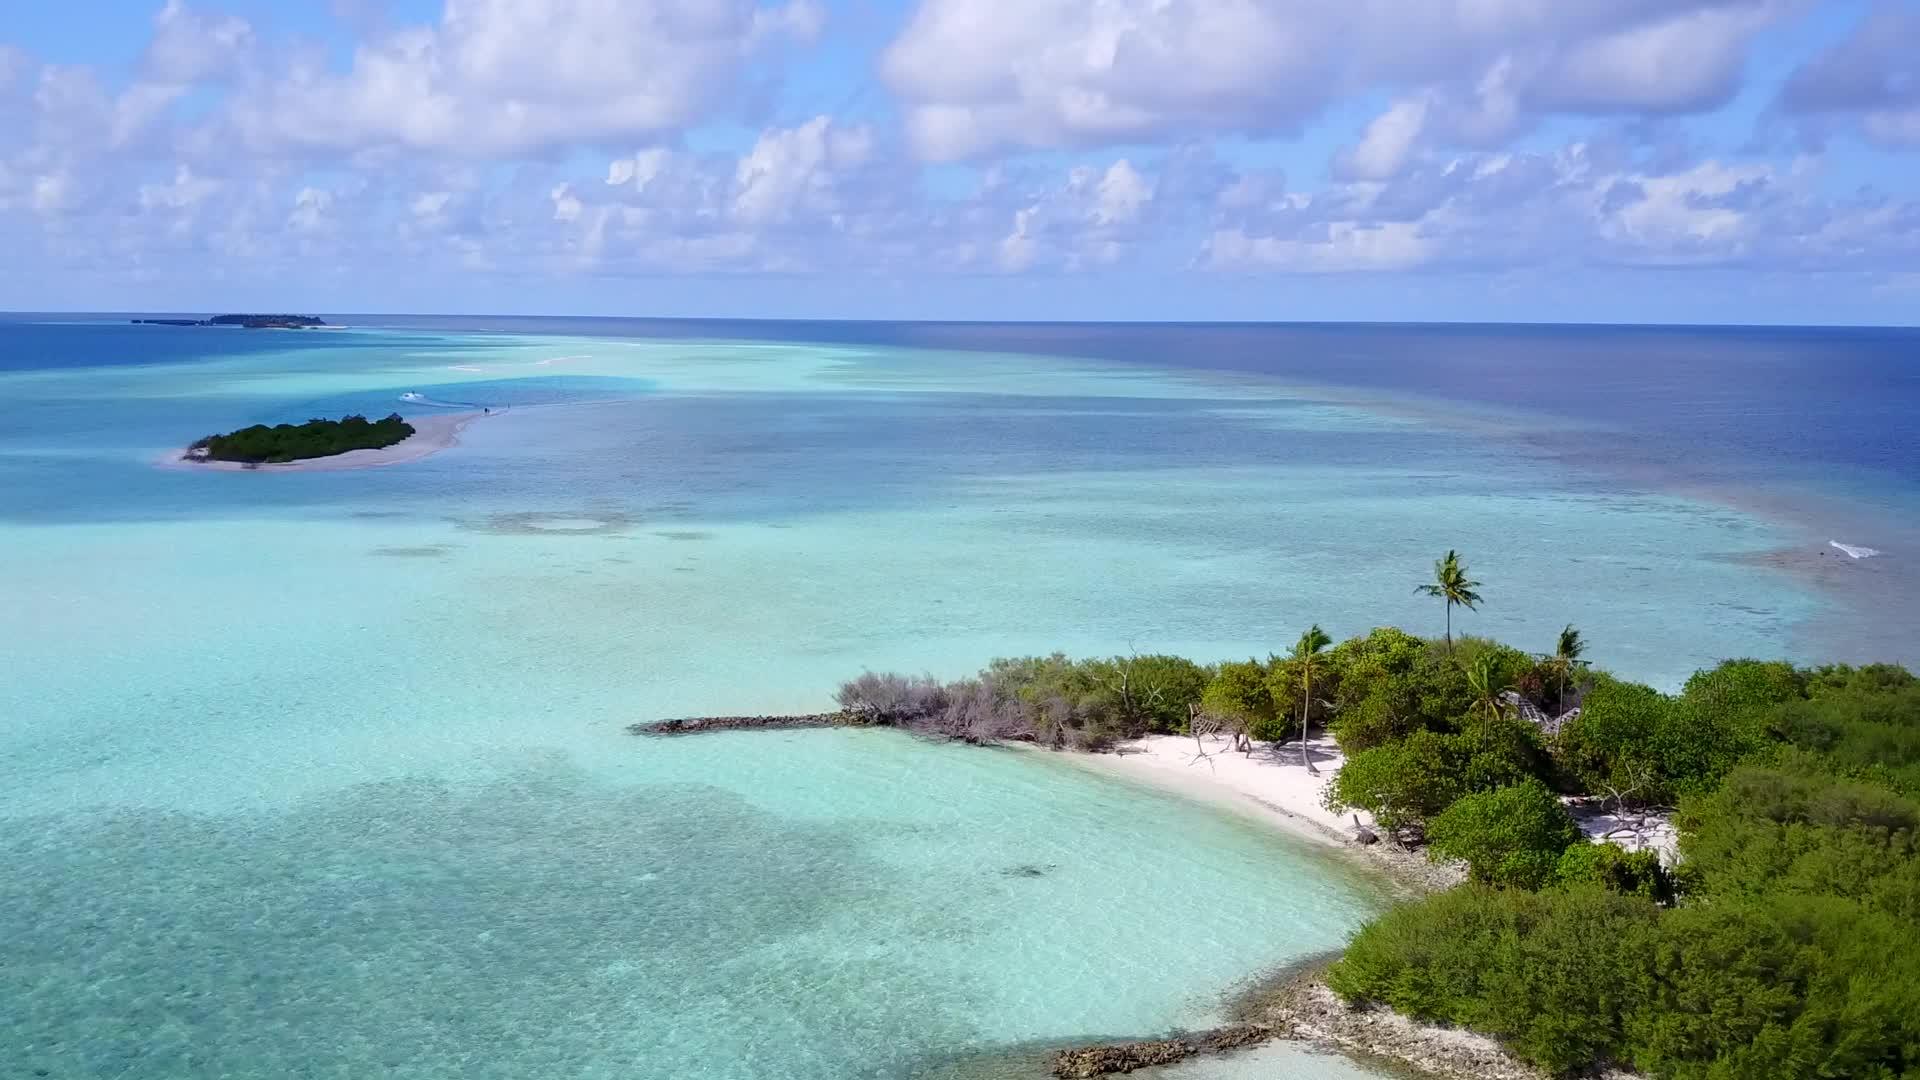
325	773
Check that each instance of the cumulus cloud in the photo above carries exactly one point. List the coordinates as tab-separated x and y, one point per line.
190	47
1387	142
1581	205
1871	78
982	75
797	169
503	77
463	145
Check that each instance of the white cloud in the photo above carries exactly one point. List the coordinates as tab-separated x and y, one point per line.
1340	246
429	205
1387	142
505	77
979	75
566	205
1871	78
1120	195
640	169
1696	215
52	192
188	47
1017	248
310	209
107	167
185	192
789	169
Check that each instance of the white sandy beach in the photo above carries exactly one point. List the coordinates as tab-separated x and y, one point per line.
1270	784
432	433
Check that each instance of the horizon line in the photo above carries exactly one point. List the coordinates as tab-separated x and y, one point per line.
880	321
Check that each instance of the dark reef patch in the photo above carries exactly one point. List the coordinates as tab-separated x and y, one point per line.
1029	870
424	551
411	928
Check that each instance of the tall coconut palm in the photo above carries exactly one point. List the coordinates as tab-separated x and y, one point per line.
1450	583
1306	654
1566	654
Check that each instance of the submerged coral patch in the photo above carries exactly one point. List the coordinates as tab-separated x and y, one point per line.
553	523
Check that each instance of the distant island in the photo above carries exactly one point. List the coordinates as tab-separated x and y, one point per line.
263	445
250	322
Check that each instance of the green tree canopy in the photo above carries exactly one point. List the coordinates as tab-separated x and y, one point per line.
1511	836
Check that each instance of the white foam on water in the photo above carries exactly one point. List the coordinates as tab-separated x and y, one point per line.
414	398
1855	551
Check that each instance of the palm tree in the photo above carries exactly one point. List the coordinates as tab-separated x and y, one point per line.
1306	653
1483	678
1450	583
1566	655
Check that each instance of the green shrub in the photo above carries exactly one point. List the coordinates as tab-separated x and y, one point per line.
1780	987
1401	783
1512	836
1147	693
1499	752
1793	829
1391	684
1652	749
1551	973
1507	664
1610	744
1744	686
1612	867
1243	689
1865	721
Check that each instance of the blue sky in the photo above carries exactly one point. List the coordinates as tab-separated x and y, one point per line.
1608	160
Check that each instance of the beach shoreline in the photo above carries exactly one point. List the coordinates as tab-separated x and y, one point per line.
432	433
1269	786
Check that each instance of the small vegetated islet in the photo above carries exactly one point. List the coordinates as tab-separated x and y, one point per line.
1783	942
280	443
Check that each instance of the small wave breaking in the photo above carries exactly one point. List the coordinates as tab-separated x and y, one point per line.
412	398
1855	551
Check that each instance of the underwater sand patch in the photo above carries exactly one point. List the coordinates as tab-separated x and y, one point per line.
553	523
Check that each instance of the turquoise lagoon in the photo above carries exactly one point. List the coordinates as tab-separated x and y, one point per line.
326	773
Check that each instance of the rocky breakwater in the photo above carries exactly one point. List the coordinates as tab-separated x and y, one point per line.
1083	1063
1307	1010
700	725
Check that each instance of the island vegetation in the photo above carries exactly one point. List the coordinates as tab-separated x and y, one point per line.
280	443
1781	939
249	322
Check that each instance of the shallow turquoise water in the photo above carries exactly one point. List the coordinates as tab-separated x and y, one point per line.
325	773
821	904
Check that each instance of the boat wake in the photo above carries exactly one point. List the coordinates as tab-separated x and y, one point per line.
1855	551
